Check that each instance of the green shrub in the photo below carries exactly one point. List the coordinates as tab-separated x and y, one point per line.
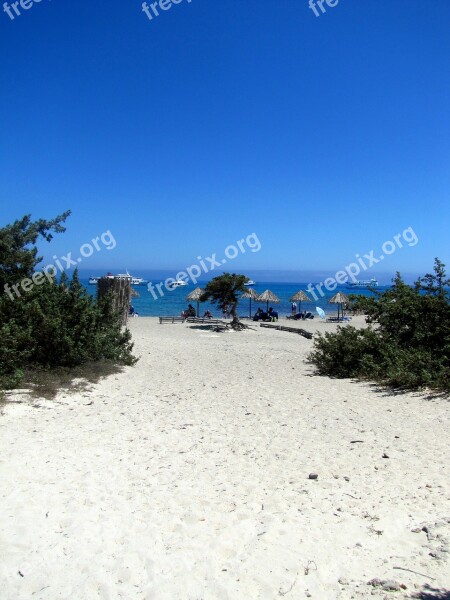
409	347
54	324
349	353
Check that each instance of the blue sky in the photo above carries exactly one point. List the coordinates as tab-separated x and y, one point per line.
325	136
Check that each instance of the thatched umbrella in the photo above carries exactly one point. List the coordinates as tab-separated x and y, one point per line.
194	296
268	296
252	295
340	299
134	293
300	297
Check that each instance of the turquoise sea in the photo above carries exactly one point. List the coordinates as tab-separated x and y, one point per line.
174	301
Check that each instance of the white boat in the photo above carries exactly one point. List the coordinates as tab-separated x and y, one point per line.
177	283
249	283
138	281
134	280
363	284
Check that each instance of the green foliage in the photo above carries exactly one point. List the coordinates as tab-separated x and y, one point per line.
409	347
18	251
224	291
435	284
350	353
54	324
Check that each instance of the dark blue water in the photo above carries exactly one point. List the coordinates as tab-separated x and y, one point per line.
174	301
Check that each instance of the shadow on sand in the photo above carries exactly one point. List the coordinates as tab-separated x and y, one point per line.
46	384
430	593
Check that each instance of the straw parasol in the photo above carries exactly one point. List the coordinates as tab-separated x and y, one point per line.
134	293
340	299
300	297
194	296
251	295
268	296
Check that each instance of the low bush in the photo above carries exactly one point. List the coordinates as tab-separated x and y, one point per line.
408	348
53	324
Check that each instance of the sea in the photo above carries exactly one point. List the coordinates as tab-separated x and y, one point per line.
173	302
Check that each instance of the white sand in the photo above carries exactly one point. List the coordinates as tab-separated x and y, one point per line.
186	477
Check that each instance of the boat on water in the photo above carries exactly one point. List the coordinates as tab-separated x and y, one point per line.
177	283
249	283
134	280
363	284
138	281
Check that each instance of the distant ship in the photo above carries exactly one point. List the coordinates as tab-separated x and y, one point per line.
177	283
249	283
134	280
363	284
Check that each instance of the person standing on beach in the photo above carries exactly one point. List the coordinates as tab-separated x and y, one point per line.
294	308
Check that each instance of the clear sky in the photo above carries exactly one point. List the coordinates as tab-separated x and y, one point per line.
326	136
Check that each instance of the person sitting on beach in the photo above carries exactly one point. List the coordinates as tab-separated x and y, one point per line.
189	312
257	315
272	314
132	312
207	315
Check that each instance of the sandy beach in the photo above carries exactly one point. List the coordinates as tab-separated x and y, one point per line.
187	477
